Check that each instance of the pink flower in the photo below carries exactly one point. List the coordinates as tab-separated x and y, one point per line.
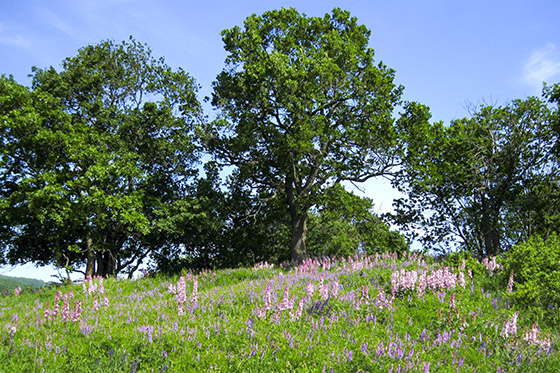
365	295
267	298
55	309
47	314
462	281
181	309
335	288
310	290
17	290
77	311
172	289
532	336
510	283
452	304
181	290
66	310
194	295
286	303
297	314
323	290
510	326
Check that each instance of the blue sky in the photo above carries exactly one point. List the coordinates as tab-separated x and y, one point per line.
448	54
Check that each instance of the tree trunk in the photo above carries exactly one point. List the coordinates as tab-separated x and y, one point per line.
106	264
299	223
90	265
101	270
299	232
490	231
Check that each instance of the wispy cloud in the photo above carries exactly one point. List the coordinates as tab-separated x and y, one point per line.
13	39
542	66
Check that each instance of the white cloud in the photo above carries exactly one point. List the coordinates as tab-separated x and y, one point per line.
13	39
542	66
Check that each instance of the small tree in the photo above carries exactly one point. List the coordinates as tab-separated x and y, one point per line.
471	181
303	107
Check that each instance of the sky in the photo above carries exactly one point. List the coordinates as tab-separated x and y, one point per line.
451	55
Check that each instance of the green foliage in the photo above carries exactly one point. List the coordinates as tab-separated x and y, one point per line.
535	264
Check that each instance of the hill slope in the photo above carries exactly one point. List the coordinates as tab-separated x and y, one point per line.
371	314
8	283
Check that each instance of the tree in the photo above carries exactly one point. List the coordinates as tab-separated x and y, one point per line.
303	107
343	224
472	182
93	158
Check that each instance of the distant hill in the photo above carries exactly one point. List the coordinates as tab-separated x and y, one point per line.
8	283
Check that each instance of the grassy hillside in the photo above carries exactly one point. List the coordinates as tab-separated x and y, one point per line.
375	314
8	283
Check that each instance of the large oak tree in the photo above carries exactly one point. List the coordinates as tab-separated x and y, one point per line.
303	106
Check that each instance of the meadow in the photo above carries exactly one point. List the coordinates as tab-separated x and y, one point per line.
374	313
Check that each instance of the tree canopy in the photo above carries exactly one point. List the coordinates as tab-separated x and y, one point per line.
94	156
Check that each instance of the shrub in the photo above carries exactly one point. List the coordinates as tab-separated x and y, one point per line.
536	267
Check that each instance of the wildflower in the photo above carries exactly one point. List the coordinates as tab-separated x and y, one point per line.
55	309
267	298
323	290
101	288
194	296
286	303
66	309
297	314
335	289
365	295
532	337
310	290
462	282
48	314
181	309
263	265
452	304
17	290
510	326
172	289
510	283
181	290
77	311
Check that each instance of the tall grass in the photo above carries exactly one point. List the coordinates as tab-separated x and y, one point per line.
372	314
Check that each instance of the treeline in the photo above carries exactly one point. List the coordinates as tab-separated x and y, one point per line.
111	161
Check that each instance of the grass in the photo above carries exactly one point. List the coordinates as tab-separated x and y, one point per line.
371	314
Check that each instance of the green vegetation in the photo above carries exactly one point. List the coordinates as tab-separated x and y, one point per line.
534	266
373	313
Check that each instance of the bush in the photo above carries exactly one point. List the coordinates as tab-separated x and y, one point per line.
536	267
